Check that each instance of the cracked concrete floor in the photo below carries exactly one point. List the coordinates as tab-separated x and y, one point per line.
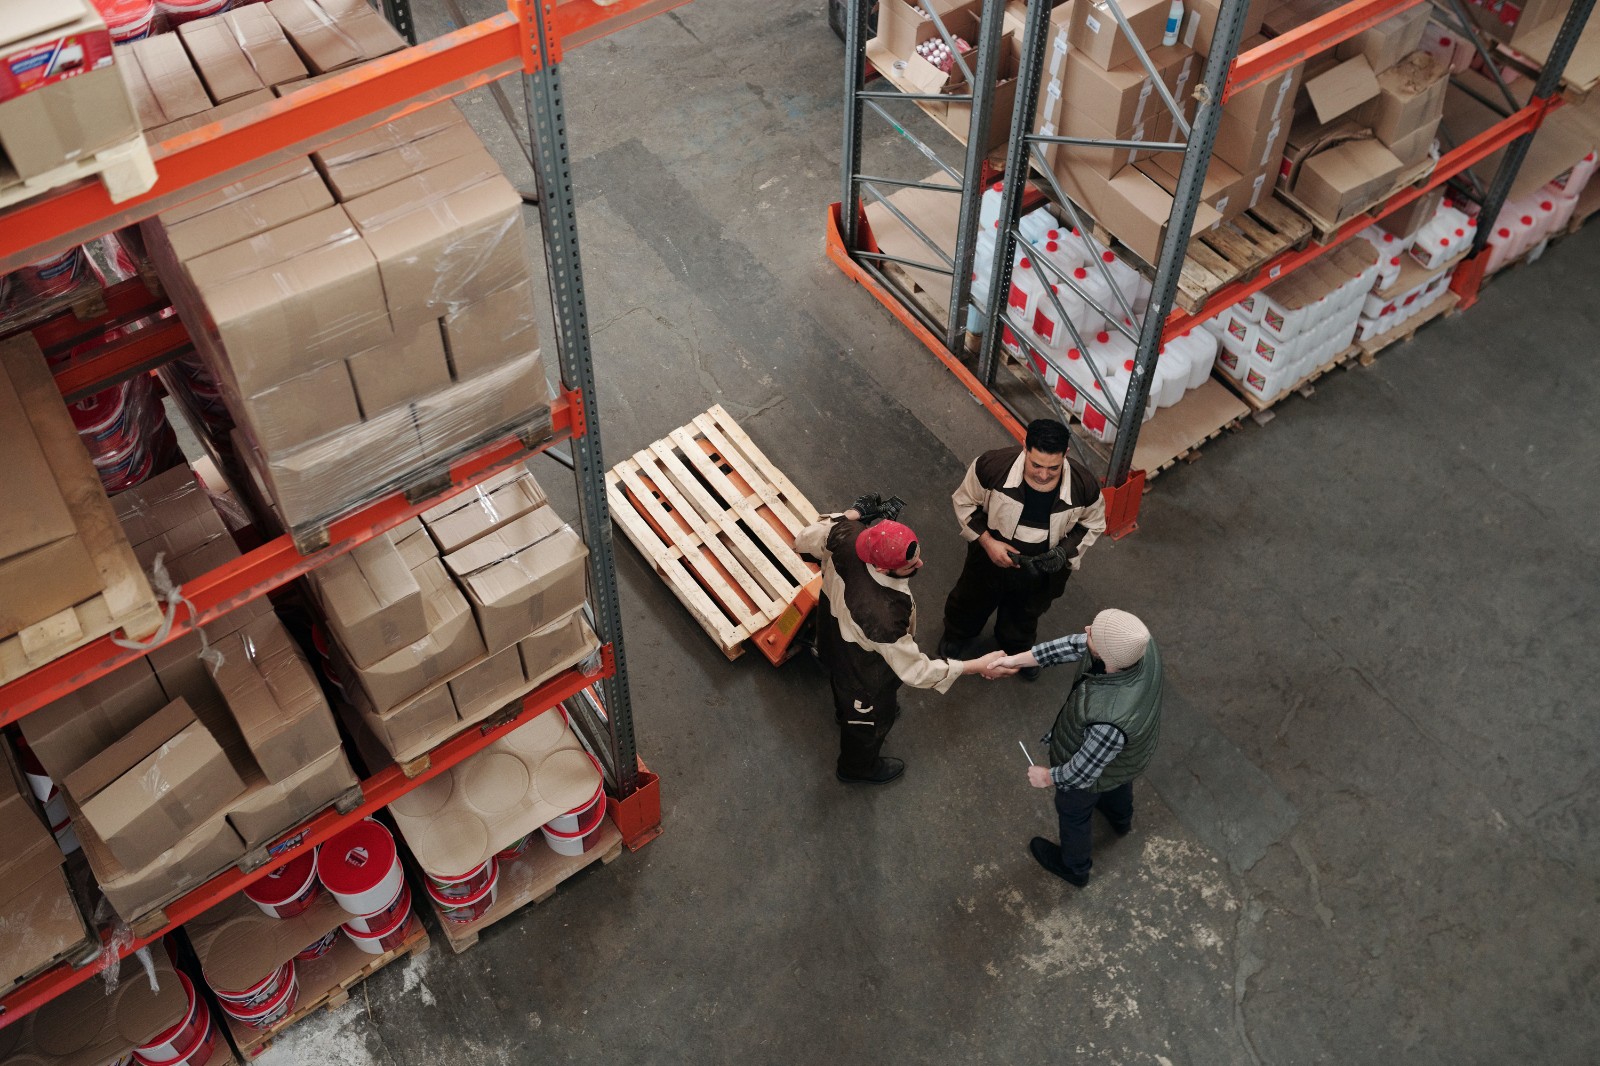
1370	835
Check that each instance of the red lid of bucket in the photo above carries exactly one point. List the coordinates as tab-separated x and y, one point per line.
285	883
121	13
356	860
166	1035
98	413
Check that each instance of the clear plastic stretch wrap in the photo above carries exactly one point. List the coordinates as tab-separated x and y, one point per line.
366	315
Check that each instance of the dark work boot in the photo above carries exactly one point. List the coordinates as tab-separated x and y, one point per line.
1048	855
1029	673
883	771
950	648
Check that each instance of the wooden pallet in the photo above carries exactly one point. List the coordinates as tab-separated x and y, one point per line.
1237	249
1323	229
125	169
125	601
717	520
1442	305
1261	410
325	984
531	878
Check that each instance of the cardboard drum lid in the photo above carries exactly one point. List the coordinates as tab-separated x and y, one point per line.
567	778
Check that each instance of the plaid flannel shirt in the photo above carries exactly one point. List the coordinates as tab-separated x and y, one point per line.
1101	742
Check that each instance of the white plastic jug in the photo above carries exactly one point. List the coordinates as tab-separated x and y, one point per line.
1198	348
1580	174
1128	280
989	208
1095	288
1171	377
1036	223
1565	205
1065	256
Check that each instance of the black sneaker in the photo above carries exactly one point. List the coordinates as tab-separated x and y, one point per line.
1122	829
1029	673
1048	855
950	648
884	771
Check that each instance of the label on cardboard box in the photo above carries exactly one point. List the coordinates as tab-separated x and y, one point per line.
42	64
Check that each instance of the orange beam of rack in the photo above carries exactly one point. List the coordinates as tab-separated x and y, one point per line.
377	792
257	573
140	351
1451	163
343	105
1303	42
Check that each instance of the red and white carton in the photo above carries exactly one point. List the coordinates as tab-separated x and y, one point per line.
466	911
179	1042
360	868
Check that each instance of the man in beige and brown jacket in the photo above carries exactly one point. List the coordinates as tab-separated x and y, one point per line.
1028	514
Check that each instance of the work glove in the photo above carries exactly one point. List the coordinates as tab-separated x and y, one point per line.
874	508
1048	562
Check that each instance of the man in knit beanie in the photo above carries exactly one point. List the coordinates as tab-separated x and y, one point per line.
1104	735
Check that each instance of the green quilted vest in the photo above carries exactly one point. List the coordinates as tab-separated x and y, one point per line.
1130	700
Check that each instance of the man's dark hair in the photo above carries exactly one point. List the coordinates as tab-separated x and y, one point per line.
1048	436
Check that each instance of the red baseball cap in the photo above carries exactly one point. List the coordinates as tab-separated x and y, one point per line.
886	545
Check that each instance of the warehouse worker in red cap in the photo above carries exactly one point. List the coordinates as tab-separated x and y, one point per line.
866	631
1104	736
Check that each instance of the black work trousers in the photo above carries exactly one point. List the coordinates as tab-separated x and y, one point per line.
865	695
1017	599
1076	806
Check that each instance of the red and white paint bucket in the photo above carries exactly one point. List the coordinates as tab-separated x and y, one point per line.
361	868
180	1042
581	815
39	782
198	1056
263	991
383	919
266	1015
515	851
319	948
579	841
462	886
289	890
127	20
55	275
180	11
464	911
126	1060
381	941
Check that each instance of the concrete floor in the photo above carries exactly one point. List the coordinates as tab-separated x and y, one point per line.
1370	835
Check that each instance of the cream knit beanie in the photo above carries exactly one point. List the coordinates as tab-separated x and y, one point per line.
1119	638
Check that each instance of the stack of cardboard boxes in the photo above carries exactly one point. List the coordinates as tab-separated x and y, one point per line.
176	765
39	919
1366	118
444	621
366	310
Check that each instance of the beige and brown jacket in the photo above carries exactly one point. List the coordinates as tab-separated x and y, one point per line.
989	499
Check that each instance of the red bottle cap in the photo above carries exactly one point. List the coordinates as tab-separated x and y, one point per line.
1080	273
1107	256
1103	337
1026	264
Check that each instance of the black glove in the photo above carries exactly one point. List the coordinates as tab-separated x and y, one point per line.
1048	562
874	508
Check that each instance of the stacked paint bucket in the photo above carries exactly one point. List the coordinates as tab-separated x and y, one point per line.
464	898
126	431
361	870
180	11
189	1042
576	831
127	20
49	794
265	1003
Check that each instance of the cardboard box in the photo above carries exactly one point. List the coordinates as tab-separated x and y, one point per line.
146	109
1389	41
290	300
165	502
200	560
559	646
388	136
1121	99
27	850
330	34
44	565
1341	89
171	76
483	509
1002	98
338	473
488	685
271	55
1222	188
413	543
901	29
182	673
188	548
1200	24
247	216
147	791
1104	161
1413	148
483	336
503	792
285	172
371	601
61	96
268	810
452	642
220	60
100	1028
307	407
1405	222
405	368
417	724
1343	180
471	412
237	106
1410	98
444	238
38	924
133	891
1130	205
357	177
521	577
275	698
1096	34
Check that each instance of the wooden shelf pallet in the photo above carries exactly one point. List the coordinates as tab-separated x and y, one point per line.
325	984
1261	410
1441	306
531	878
125	169
1237	249
717	520
1323	230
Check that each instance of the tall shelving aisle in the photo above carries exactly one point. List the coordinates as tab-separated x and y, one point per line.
527	41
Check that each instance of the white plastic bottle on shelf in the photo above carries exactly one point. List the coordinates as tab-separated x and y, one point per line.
1023	296
1128	280
1547	213
1095	288
1036	223
989	208
1565	204
1581	172
1064	256
1170	379
1047	324
1109	349
1197	348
